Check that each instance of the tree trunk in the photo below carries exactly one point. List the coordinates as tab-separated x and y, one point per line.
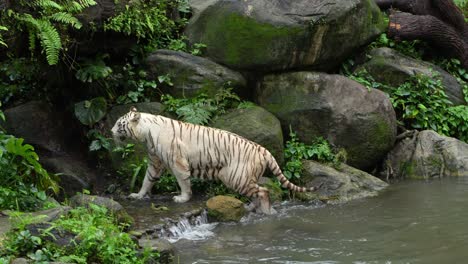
439	22
405	26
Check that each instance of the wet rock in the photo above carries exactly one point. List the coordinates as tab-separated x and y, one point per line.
166	250
256	124
392	68
338	184
192	75
21	261
114	207
225	208
341	110
279	35
425	155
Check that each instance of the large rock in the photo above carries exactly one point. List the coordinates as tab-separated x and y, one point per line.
74	175
278	35
425	155
338	184
225	208
38	124
342	111
256	124
192	75
392	68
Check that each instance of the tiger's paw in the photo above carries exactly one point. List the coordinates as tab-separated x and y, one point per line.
138	196
181	198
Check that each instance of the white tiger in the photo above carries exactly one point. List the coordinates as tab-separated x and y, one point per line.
203	152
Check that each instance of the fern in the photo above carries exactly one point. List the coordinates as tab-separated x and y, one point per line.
46	4
50	40
66	18
77	6
2	42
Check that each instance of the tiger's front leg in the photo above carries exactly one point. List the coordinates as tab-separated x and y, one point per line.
153	172
182	173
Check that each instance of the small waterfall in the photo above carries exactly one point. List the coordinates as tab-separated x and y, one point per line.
193	227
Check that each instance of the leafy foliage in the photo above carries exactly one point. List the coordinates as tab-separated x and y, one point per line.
23	180
422	104
201	109
412	48
101	240
45	25
91	111
146	20
297	151
18	79
2	42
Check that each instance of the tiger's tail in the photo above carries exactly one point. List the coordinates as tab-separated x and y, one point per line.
285	183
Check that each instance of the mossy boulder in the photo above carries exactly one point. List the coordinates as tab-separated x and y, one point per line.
257	125
192	75
426	155
392	68
340	183
344	112
268	35
225	208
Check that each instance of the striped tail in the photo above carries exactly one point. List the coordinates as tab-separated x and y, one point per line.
285	183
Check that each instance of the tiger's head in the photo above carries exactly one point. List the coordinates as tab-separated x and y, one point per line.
126	127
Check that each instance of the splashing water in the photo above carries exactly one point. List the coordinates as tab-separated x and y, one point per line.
194	228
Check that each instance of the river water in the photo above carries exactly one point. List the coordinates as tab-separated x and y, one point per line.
410	222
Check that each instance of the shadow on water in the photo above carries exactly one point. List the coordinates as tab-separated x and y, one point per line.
410	222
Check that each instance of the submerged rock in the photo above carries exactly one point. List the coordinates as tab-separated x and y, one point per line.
338	184
279	35
392	68
426	155
192	75
344	112
257	125
225	208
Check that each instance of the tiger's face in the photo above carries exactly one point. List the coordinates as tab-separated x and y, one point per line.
124	126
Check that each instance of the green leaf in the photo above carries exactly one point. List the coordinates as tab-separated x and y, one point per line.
90	112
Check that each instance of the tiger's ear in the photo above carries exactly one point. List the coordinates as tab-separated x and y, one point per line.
133	109
136	117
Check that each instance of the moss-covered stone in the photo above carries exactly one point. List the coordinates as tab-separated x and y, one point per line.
225	208
342	111
256	124
267	35
192	75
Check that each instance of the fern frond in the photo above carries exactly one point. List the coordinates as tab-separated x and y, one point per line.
47	4
50	40
2	42
32	40
66	18
78	6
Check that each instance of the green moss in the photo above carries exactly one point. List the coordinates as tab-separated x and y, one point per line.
242	40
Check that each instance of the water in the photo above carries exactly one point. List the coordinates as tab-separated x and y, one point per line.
410	222
197	229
